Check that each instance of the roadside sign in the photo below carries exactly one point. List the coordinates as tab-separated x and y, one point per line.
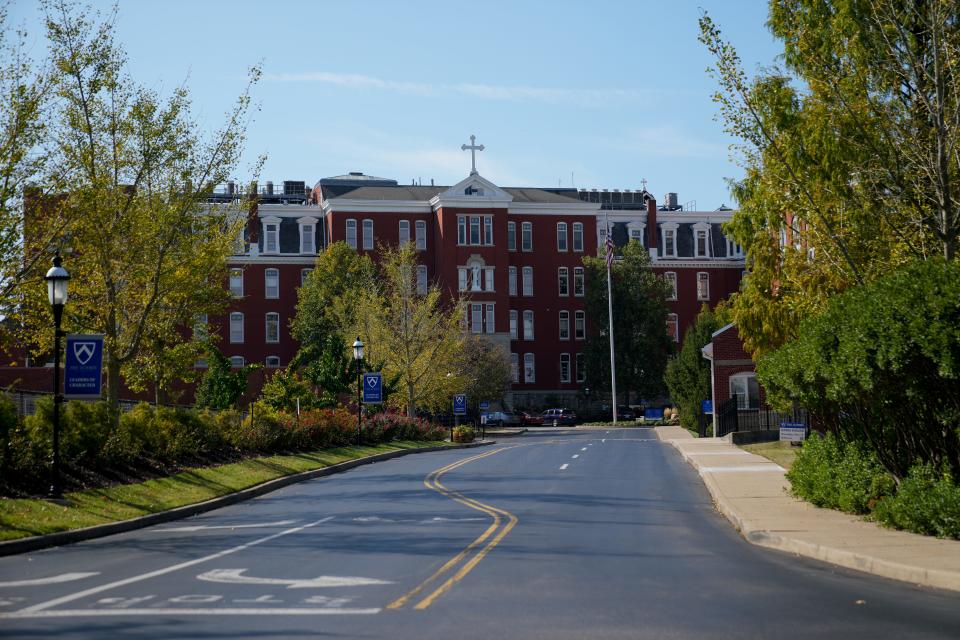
483	418
653	414
460	404
372	388
484	405
793	431
706	406
83	367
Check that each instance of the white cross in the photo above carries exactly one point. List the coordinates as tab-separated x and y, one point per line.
473	153
644	183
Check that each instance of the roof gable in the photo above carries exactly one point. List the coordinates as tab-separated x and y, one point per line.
473	191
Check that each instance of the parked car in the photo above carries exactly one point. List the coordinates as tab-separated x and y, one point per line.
557	417
502	418
530	418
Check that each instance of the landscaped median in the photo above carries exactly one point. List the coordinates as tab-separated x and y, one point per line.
27	524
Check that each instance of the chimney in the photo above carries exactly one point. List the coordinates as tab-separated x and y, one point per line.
652	227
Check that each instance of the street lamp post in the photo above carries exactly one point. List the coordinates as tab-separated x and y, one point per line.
358	356
56	279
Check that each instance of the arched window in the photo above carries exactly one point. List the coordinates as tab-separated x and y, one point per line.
561	236
367	235
351	233
271	285
578	236
273	327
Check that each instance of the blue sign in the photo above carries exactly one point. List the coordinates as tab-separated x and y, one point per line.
484	404
706	406
372	388
460	404
653	414
83	366
793	431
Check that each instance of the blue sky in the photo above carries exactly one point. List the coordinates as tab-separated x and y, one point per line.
597	94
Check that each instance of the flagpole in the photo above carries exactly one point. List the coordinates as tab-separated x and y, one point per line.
613	371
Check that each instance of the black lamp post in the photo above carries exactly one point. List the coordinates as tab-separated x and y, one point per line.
56	279
358	356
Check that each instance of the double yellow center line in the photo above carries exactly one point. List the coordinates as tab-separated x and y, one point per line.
461	564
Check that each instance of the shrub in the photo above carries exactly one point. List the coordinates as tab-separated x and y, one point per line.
463	434
84	430
926	502
262	431
320	428
846	476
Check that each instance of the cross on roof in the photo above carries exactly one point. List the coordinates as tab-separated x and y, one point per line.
473	153
643	181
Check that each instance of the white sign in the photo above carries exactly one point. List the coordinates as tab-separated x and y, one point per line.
793	431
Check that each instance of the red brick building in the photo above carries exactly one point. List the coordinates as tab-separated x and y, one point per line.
732	372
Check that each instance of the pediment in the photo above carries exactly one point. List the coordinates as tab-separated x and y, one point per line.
474	190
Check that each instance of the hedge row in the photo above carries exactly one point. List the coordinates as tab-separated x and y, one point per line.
829	472
88	440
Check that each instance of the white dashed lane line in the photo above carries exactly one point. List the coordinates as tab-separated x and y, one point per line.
575	456
584	449
564	466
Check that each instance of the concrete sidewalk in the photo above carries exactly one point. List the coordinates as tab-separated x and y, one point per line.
751	492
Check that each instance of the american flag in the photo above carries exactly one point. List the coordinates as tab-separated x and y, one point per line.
609	245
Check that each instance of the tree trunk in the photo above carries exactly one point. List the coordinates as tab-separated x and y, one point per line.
411	401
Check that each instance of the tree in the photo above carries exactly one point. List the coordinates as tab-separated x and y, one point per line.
486	369
849	152
287	391
639	324
418	339
221	387
688	373
146	254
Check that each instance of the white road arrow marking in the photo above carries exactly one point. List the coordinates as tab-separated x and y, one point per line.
208	527
234	576
63	577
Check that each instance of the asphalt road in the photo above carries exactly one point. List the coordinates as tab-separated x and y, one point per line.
577	534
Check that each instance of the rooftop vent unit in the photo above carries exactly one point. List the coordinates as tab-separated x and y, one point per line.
269	187
671	201
293	187
356	173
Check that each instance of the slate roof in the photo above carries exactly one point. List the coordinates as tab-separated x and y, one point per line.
418	193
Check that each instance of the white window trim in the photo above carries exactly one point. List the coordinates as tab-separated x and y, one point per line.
304	274
565	378
230	320
745	377
560	323
272	365
368	238
476	317
356	233
674	320
581	374
234	361
523	227
566	237
511	226
266	222
664	229
490	318
563	273
312	223
529	335
523	280
266	327
422	278
577	226
515	367
637	226
514	324
582	316
583	278
703	297
420	226
697	228
533	368
241	271
400	239
266	286
673	280
512	281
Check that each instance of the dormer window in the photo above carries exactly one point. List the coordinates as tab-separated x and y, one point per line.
668	233
701	240
734	250
308	231
271	234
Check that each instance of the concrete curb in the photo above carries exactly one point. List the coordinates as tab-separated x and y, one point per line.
22	545
846	558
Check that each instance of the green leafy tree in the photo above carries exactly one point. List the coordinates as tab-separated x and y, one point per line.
147	254
221	387
485	370
688	373
641	343
286	388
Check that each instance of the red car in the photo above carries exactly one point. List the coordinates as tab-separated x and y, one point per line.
529	418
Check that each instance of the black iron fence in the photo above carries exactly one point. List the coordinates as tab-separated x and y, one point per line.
730	418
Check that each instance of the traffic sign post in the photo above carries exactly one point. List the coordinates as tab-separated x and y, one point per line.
83	368
459	409
372	388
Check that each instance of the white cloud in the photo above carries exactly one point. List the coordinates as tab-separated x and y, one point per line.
502	93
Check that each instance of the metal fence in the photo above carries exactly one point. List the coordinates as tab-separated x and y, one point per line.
730	418
26	401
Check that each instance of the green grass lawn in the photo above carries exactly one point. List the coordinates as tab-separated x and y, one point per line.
780	452
20	518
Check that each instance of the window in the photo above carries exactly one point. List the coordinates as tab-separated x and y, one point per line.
578	236
513	325
422	279
703	285
237	361
734	250
351	233
307	234
488	230
564	325
673	329
671	279
512	280
236	327
461	230
200	332
636	231
511	236
367	235
669	234
528	325
474	229
461	278
421	235
404	232
273	327
564	367
529	368
563	281
271	237
240	243
578	287
491	325
526	236
271	286
744	387
488	279
581	371
701	245
476	318
304	274
579	325
528	281
515	367
236	283
273	362
561	236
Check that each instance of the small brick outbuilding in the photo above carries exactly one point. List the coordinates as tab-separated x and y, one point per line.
732	372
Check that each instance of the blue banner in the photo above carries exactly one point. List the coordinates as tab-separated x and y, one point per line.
460	404
372	388
83	366
653	414
706	406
